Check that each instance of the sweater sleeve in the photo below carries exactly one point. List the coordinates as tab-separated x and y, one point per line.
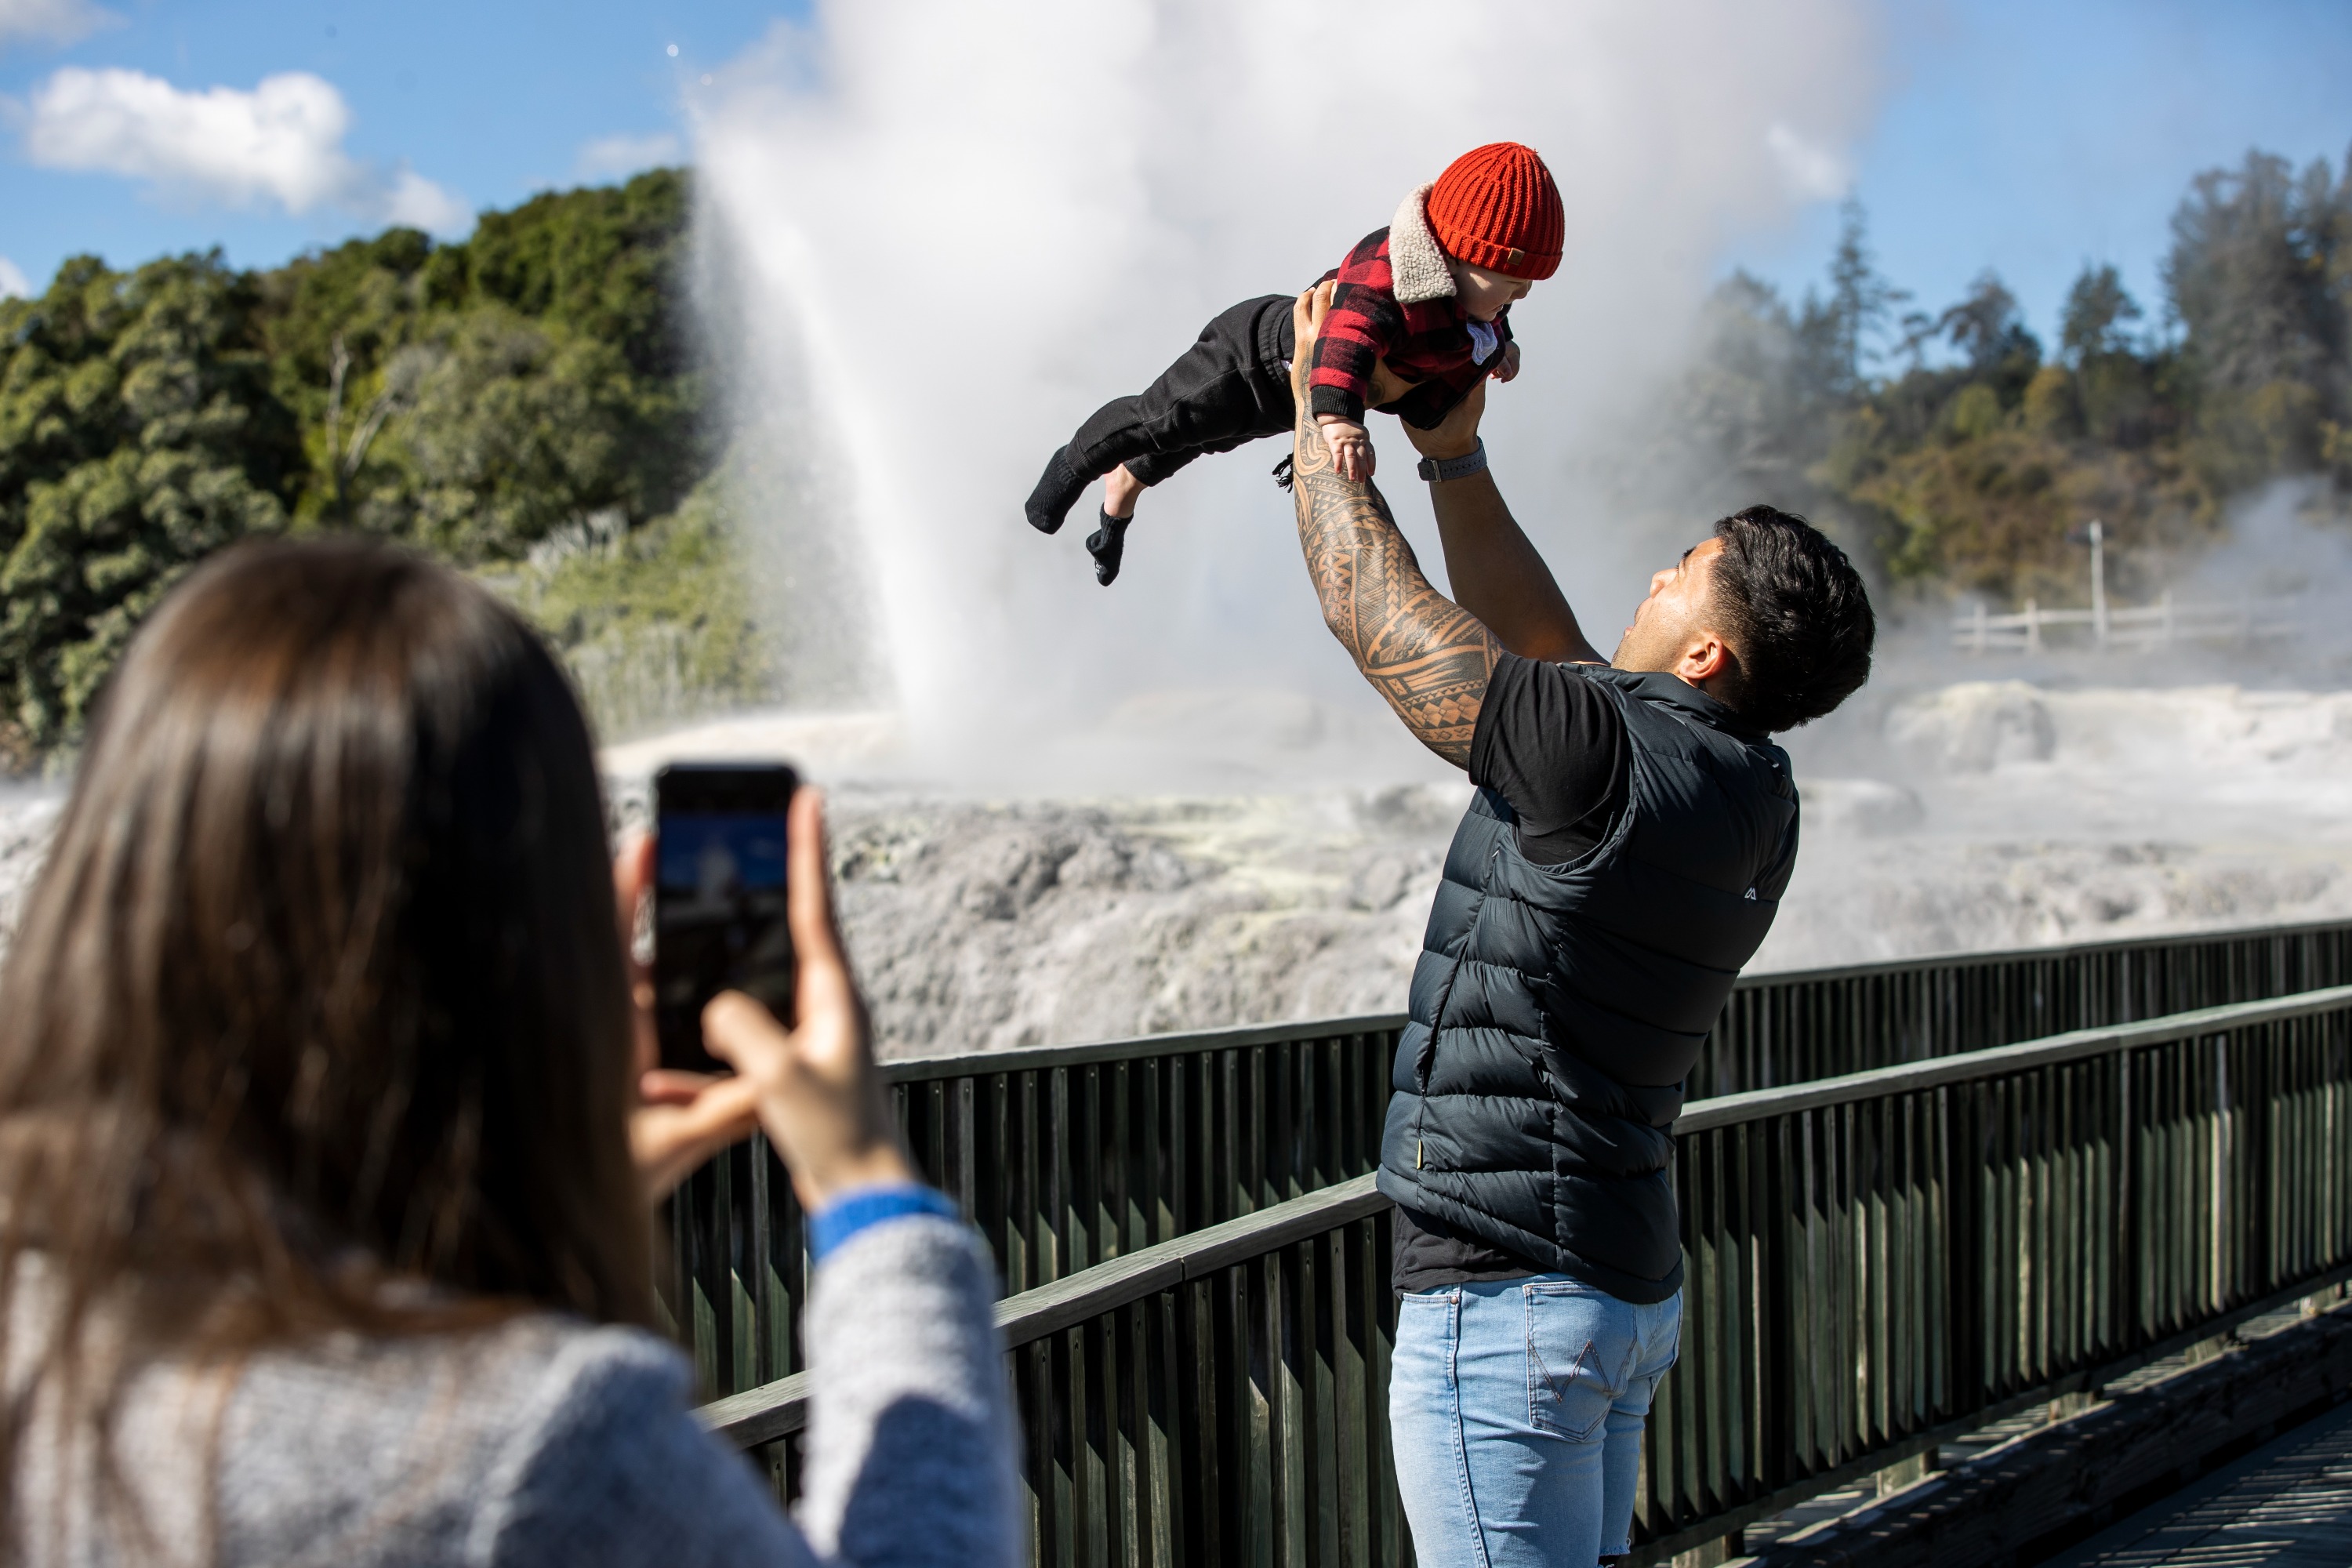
910	1448
1365	321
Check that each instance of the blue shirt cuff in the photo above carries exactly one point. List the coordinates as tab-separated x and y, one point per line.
869	1206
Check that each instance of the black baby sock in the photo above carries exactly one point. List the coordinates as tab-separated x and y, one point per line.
1055	493
1106	544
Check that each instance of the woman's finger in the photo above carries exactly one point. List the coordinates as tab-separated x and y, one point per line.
742	1034
633	877
667	1140
824	982
669	1085
633	874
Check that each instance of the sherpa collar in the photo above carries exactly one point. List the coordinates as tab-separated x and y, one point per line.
1417	269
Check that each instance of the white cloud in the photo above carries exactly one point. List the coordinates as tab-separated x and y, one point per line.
14	284
52	21
280	144
419	203
610	157
1812	173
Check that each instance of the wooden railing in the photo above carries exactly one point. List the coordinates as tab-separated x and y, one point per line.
1875	1263
1069	1156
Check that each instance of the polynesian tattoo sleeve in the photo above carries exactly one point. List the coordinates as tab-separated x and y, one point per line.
1426	655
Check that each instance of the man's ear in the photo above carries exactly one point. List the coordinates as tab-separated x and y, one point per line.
1706	657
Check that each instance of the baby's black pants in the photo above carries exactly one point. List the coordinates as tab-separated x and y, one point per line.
1228	388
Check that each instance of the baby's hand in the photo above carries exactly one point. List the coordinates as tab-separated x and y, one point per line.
1510	365
1351	447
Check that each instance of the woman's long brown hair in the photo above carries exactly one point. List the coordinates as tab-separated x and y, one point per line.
320	992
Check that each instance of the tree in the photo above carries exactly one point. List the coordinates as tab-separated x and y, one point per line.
137	435
1989	329
2259	277
2113	385
2092	324
471	398
1859	303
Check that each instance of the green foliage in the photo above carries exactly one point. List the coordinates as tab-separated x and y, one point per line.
475	396
1971	472
137	434
473	399
653	622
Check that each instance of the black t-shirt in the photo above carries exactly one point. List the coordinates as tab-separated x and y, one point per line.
1553	744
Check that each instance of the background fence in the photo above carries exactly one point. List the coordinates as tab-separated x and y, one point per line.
1069	1156
2235	623
1877	1262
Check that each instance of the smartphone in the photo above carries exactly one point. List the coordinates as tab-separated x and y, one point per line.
719	896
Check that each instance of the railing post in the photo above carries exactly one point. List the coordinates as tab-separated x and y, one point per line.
2032	626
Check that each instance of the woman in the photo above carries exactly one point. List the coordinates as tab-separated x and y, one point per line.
328	1134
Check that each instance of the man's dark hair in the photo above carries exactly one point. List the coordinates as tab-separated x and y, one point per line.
1796	615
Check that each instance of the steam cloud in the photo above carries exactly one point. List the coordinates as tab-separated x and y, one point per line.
952	232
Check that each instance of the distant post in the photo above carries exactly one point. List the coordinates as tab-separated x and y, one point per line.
2099	584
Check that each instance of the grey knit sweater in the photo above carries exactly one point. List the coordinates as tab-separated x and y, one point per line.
550	1442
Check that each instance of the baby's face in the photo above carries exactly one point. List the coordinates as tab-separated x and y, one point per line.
1483	293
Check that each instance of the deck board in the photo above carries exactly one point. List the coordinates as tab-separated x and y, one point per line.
2288	1505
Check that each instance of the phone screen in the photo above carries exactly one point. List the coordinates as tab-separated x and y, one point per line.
719	891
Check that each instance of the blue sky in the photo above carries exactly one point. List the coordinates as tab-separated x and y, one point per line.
2031	138
488	101
2026	138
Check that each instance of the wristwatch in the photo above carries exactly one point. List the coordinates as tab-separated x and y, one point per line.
1437	470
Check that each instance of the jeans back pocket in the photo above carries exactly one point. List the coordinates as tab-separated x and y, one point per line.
1579	1362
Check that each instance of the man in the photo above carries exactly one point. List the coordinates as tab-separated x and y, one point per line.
1628	846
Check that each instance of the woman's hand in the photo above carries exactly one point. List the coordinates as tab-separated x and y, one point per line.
681	1118
818	1095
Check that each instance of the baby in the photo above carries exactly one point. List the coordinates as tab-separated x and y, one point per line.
1429	296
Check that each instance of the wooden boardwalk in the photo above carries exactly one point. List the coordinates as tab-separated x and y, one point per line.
2288	1505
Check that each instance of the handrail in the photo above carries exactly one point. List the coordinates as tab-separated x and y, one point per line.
1995	1060
1036	1059
1962	957
925	1068
776	1409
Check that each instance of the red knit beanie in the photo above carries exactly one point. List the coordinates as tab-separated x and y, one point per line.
1496	207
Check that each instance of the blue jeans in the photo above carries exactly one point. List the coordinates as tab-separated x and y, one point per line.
1517	1409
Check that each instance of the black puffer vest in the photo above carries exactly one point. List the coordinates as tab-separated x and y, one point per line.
1557	1009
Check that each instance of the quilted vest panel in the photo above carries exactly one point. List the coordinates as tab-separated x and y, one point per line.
1556	1010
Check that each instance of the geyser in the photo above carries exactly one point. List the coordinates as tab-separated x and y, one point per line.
946	232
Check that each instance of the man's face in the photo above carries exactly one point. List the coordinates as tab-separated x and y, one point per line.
1677	607
1483	293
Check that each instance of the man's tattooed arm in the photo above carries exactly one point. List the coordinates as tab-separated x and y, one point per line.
1426	655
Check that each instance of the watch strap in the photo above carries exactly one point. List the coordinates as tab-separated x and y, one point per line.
1437	470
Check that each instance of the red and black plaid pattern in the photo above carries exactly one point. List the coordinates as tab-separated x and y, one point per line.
1428	342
